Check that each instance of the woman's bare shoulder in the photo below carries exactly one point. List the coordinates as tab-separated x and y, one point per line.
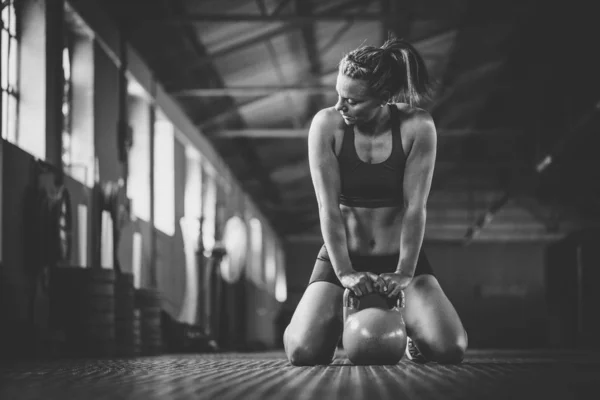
328	118
413	114
417	124
327	124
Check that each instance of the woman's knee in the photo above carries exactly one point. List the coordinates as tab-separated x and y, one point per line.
424	283
315	328
451	353
445	350
303	351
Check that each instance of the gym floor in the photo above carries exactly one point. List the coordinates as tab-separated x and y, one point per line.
486	375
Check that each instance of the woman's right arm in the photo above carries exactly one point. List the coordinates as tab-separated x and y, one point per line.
324	170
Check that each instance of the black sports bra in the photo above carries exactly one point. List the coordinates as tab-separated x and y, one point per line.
372	185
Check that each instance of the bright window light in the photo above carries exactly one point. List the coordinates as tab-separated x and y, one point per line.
270	264
281	283
138	188
256	248
78	100
210	214
9	71
164	176
193	184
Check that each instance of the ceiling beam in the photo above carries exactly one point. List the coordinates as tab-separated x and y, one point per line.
282	4
244	144
305	9
252	91
300	82
254	40
248	42
302	133
293	19
273	56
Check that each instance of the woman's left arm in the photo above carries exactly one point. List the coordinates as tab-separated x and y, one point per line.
418	175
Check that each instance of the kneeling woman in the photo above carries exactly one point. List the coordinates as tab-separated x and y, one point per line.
372	158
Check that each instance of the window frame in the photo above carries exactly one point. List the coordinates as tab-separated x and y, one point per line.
67	120
11	90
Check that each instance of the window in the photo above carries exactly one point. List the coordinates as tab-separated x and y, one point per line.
270	269
78	99
193	184
66	101
210	213
281	282
190	228
137	260
138	185
9	71
256	249
164	175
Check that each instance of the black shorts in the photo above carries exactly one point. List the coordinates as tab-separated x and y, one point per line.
323	269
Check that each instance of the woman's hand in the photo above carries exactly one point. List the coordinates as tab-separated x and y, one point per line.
362	283
394	283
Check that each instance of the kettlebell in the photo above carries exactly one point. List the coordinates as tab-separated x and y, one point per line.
373	336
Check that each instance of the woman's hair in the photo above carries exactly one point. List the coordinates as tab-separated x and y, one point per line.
396	67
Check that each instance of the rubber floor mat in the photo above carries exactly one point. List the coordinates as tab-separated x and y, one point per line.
482	375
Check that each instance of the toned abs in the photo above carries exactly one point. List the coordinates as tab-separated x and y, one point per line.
371	231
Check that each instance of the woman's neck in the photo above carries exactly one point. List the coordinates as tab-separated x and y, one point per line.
376	125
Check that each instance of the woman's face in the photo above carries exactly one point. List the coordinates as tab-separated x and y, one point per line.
355	101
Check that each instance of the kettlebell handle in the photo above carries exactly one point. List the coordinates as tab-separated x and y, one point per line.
352	301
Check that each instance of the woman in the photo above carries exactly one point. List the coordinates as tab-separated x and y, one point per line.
372	157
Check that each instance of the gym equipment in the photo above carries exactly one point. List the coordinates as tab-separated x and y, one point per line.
125	329
374	335
82	309
148	302
235	241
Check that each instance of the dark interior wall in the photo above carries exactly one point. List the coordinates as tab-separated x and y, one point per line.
23	293
106	114
261	312
54	11
497	288
260	308
145	229
16	284
170	270
301	257
170	256
2	160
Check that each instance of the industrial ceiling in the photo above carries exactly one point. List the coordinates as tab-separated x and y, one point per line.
515	101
